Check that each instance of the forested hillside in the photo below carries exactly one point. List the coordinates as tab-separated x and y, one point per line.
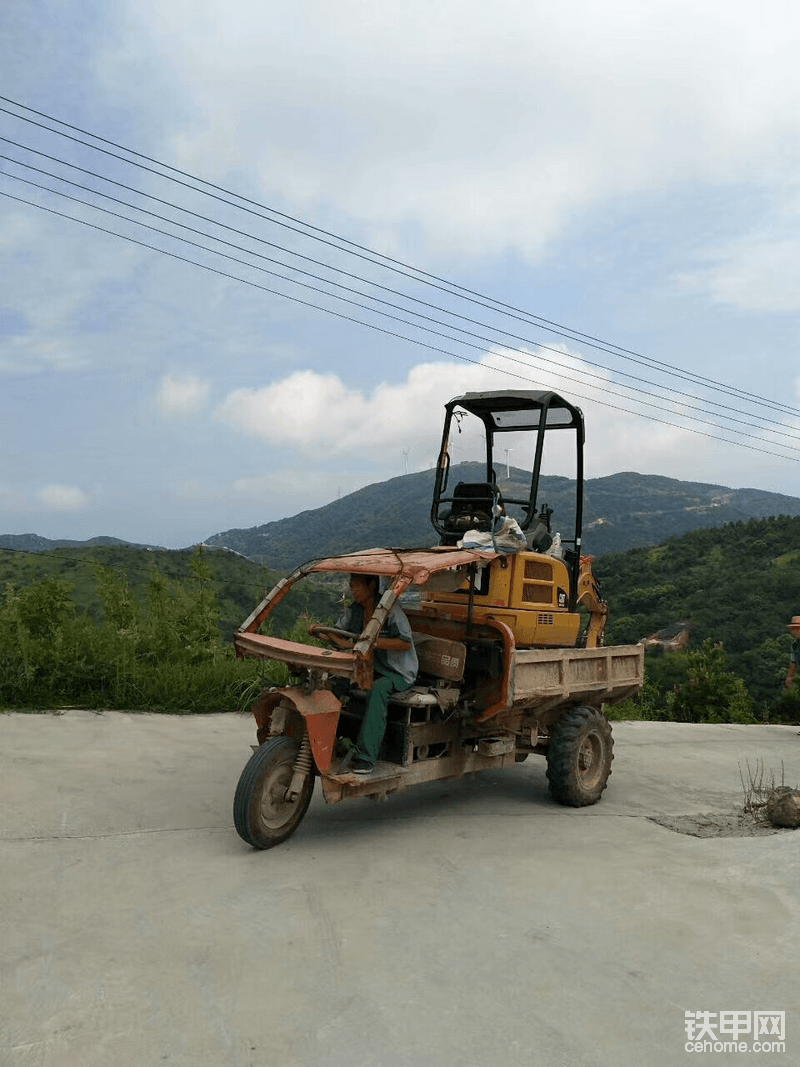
737	585
621	511
129	628
237	583
123	627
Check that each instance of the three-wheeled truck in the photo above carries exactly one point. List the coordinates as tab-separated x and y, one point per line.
509	646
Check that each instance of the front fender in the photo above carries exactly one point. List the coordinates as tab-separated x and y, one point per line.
319	709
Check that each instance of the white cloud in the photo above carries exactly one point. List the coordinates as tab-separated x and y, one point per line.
282	491
180	397
19	229
63	497
318	415
338	427
296	487
489	126
761	275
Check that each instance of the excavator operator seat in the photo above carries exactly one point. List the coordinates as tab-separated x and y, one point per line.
471	509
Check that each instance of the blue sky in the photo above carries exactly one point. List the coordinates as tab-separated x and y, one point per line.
627	169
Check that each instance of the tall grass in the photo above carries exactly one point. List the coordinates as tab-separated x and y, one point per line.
164	656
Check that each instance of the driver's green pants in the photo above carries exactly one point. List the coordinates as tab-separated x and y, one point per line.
373	727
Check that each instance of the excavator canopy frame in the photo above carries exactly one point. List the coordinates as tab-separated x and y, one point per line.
511	411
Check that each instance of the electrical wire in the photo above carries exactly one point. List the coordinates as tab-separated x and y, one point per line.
78	559
358	304
379	259
362	322
507	333
489	340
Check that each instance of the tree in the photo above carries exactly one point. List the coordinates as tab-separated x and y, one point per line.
120	607
712	693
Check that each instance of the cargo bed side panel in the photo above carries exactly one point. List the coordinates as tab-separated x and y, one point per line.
545	678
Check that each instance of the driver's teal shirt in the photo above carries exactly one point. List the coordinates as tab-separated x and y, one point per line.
403	662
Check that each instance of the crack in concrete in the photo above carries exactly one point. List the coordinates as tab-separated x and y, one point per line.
118	833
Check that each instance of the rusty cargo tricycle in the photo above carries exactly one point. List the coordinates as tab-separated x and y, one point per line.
508	664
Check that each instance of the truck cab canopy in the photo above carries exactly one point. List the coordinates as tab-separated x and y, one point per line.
410	566
402	566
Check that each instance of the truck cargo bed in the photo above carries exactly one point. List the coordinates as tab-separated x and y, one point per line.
548	677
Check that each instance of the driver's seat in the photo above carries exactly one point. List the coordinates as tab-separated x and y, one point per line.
471	510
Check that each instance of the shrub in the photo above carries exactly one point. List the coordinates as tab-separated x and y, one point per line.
711	693
166	656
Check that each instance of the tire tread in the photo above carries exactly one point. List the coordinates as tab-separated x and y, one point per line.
243	800
566	739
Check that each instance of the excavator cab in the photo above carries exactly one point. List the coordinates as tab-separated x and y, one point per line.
535	591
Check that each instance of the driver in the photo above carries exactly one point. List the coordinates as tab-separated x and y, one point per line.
395	663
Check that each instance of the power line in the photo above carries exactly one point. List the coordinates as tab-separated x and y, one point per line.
356	303
379	259
360	278
489	340
73	559
350	318
460	340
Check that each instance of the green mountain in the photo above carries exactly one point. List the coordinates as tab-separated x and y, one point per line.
738	585
621	512
34	543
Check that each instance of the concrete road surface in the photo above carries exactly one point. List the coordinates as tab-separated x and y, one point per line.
466	924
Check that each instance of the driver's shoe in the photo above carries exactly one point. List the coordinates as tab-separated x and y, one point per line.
362	765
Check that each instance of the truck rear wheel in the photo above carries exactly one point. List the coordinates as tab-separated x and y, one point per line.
261	813
579	757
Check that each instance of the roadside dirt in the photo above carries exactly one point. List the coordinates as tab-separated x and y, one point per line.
714	824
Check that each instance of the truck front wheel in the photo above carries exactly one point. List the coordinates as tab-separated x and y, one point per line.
579	757
261	813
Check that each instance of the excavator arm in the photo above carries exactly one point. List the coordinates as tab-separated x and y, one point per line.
589	596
